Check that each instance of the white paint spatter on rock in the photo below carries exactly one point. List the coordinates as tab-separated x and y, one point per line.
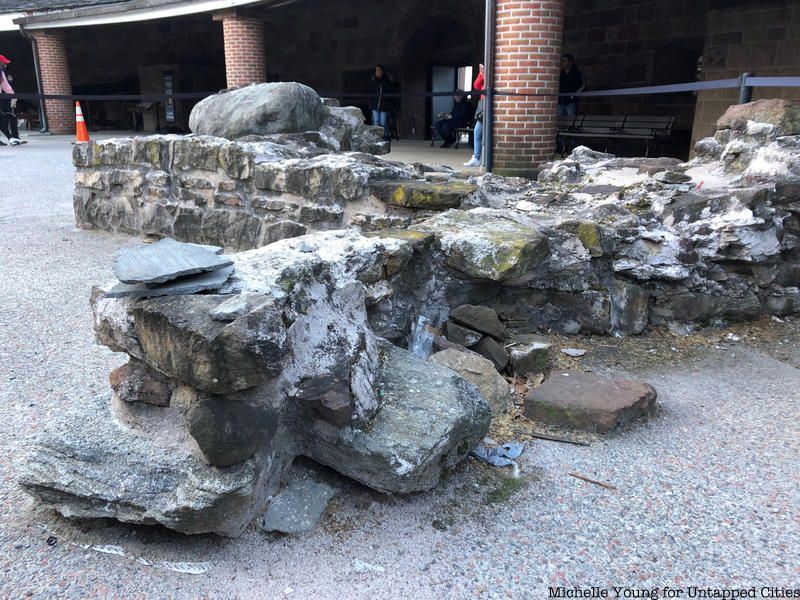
344	253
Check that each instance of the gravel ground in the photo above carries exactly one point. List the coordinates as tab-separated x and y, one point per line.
707	491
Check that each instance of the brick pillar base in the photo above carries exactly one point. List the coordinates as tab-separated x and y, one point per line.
245	60
55	80
528	60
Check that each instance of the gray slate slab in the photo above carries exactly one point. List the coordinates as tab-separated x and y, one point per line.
203	282
214	249
165	260
298	507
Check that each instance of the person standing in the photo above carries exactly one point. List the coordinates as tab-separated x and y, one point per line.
8	120
571	83
381	89
479	85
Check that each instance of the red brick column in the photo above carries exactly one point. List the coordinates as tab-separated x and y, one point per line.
245	60
55	80
528	36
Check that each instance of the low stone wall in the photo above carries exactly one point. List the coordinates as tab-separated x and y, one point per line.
244	195
598	244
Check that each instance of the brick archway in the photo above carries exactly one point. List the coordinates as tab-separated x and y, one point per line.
419	15
439	32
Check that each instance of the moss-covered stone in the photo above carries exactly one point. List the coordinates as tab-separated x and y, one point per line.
589	235
486	244
423	195
415	238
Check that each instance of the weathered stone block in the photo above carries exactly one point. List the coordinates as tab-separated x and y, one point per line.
529	354
230	429
138	382
583	401
153	151
487	245
481	373
235	161
423	195
461	335
96	180
630	308
398	452
180	339
195	153
479	318
494	351
195	183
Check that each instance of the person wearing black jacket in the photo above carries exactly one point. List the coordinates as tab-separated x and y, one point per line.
460	116
571	82
382	103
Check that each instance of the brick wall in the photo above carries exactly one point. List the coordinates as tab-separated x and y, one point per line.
245	61
763	39
624	43
527	59
102	56
335	46
56	80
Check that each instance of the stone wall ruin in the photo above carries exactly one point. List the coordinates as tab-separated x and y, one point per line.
599	244
300	349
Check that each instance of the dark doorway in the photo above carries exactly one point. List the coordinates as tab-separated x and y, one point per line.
432	57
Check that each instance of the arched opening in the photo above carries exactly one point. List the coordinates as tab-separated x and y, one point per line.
431	58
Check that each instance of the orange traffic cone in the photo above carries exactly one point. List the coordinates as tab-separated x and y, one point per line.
81	133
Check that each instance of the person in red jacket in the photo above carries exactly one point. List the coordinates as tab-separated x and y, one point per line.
479	85
8	120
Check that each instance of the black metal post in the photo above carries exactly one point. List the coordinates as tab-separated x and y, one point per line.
38	72
488	109
745	91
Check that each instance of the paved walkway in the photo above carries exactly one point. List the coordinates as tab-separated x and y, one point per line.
421	151
708	491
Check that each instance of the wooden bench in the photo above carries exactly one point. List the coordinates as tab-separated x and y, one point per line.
607	128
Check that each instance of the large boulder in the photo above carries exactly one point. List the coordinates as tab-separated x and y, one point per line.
345	125
262	109
86	464
429	419
782	115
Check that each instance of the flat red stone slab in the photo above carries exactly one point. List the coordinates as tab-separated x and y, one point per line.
588	402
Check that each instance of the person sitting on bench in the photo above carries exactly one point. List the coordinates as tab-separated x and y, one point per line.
460	115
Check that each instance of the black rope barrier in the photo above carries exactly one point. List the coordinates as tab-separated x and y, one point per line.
752	82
